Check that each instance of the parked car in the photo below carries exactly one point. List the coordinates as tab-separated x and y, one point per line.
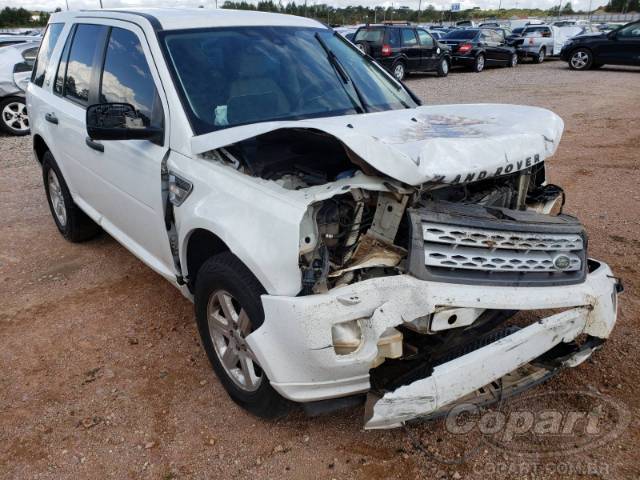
618	47
12	39
336	237
478	47
403	49
541	41
607	27
16	63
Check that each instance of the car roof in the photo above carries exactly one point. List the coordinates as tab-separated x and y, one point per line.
187	18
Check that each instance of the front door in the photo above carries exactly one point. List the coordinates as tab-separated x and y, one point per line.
628	45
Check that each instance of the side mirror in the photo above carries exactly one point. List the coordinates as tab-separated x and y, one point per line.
119	121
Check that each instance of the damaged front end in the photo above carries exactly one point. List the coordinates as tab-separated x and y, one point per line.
410	276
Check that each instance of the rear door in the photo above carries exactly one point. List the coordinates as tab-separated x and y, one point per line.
411	48
428	54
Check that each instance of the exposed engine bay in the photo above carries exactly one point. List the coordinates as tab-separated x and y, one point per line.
362	234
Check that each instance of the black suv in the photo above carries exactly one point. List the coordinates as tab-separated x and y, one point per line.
618	47
403	49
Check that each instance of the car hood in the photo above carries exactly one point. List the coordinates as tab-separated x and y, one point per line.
429	144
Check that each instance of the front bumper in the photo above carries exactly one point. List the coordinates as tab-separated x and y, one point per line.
294	345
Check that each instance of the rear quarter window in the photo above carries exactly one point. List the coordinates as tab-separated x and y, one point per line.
370	35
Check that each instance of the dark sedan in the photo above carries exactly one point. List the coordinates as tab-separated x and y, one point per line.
477	47
618	47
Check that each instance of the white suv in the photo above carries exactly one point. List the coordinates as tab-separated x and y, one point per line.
336	237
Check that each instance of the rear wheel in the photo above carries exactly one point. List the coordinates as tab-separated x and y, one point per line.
399	71
513	61
581	59
443	68
541	56
228	309
478	64
13	116
73	223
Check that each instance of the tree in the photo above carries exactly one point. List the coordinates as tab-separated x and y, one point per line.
567	9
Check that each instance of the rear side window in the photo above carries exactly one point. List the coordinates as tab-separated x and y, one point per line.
84	49
409	37
394	37
49	41
126	77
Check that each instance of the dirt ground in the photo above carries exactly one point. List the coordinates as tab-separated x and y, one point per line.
102	374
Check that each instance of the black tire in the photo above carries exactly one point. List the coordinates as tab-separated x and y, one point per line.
443	67
581	59
513	61
13	116
225	272
541	55
77	226
399	71
478	63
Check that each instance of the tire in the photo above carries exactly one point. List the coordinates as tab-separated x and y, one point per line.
513	62
399	71
541	56
14	119
73	223
225	280
478	63
443	68
580	59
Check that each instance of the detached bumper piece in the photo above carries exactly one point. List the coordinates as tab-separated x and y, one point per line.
510	359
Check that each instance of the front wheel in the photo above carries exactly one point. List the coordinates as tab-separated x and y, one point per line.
443	68
399	71
581	59
478	64
228	308
14	119
541	56
513	61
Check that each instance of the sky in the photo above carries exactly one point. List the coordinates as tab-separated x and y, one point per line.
49	5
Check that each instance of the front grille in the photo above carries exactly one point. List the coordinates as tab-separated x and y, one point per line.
472	244
453	246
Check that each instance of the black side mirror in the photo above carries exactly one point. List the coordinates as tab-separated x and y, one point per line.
119	121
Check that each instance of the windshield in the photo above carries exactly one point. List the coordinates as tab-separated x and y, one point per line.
242	75
461	35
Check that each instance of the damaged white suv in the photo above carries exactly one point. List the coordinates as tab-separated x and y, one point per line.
336	237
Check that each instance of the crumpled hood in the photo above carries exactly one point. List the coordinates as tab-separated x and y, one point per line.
436	144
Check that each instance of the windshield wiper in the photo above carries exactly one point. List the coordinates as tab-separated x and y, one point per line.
360	105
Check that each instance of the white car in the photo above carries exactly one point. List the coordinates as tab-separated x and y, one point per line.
337	238
16	62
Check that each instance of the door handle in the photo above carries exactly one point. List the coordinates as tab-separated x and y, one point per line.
95	145
51	118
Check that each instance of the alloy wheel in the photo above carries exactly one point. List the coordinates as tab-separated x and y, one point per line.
14	115
229	325
56	197
398	71
445	66
579	60
480	63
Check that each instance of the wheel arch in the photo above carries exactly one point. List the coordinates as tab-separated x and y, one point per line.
40	147
199	245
